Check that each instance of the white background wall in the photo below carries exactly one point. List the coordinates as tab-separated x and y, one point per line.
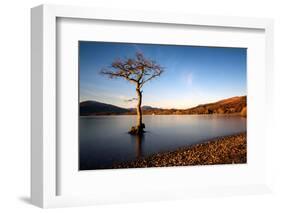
15	104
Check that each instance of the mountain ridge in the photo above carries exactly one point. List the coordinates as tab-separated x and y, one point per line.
225	106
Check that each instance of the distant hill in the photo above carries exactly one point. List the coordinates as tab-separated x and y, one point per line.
96	108
227	106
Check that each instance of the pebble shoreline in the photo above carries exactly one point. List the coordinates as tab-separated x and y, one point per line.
223	150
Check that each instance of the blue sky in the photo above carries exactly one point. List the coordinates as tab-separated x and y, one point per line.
193	75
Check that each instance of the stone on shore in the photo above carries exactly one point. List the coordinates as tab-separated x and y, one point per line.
223	150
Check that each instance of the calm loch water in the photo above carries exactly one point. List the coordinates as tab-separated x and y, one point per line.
104	139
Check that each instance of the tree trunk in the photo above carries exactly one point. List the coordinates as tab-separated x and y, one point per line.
139	112
139	129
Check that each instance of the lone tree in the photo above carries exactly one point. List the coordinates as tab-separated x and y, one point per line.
138	71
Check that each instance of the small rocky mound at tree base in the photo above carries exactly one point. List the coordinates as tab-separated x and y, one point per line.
137	130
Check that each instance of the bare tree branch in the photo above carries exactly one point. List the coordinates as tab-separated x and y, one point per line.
138	70
131	100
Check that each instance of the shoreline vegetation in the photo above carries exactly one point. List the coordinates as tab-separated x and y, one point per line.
235	105
223	150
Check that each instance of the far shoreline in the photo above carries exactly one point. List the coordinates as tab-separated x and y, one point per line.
214	114
232	105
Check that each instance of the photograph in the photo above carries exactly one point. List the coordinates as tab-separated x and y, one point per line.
161	105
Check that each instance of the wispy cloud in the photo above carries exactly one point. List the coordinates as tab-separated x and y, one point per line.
188	78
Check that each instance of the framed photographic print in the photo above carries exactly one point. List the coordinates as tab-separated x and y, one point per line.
174	112
132	105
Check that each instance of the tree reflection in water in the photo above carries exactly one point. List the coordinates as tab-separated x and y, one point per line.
139	141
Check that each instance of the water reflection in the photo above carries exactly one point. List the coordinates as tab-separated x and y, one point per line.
138	141
104	140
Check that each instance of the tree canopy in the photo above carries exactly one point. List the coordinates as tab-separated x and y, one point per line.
138	70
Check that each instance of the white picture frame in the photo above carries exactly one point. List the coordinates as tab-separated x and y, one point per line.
44	154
